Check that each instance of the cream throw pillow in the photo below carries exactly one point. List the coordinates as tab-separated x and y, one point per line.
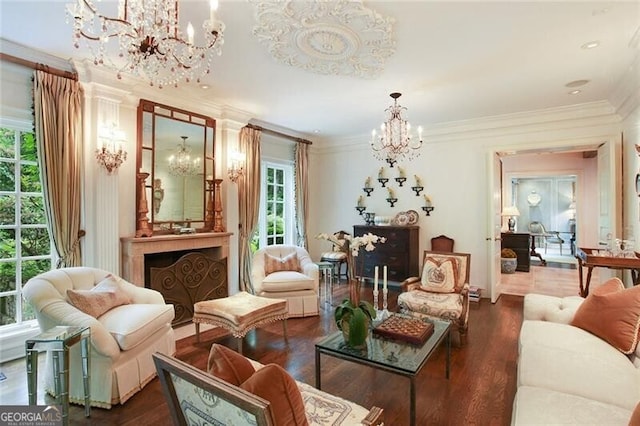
105	296
276	264
439	274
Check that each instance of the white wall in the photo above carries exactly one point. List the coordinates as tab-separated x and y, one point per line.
453	168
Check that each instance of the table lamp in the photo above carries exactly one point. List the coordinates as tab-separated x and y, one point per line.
511	212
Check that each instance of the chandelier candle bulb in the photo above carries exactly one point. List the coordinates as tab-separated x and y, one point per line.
213	7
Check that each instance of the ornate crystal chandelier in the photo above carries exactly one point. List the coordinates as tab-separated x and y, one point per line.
395	142
181	164
150	40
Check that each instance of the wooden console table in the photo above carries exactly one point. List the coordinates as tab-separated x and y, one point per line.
587	259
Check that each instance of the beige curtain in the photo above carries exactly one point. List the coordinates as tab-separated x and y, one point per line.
248	201
302	192
58	126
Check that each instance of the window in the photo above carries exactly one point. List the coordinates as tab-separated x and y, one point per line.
25	246
277	216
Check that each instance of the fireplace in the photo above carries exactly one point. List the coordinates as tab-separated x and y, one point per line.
184	278
184	268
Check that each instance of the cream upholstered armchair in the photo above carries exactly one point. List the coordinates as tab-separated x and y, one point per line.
441	292
287	272
136	324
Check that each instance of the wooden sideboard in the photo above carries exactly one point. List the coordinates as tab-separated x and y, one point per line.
399	253
521	244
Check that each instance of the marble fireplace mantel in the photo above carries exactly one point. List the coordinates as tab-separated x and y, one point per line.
134	249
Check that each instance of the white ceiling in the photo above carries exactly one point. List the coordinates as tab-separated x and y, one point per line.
453	61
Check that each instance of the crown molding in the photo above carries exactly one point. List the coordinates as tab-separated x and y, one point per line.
626	96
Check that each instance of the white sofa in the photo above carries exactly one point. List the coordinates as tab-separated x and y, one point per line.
122	340
567	375
299	288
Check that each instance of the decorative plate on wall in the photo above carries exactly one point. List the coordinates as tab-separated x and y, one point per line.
401	219
413	217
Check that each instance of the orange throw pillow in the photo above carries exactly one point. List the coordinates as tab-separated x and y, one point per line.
276	264
612	312
275	385
105	296
635	416
228	365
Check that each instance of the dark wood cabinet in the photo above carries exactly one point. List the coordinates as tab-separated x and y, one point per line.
521	244
399	253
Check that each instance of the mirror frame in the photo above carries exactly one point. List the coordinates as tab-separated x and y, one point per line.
146	163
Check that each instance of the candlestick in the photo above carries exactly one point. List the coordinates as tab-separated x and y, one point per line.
384	279
375	278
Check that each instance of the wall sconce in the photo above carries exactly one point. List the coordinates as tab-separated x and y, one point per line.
110	152
236	165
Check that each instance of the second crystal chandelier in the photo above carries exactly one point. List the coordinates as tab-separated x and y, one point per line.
395	141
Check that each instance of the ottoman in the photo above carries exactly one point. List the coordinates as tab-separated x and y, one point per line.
240	313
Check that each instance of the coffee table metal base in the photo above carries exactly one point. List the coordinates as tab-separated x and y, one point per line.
391	360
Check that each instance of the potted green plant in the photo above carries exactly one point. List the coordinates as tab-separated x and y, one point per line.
354	316
508	261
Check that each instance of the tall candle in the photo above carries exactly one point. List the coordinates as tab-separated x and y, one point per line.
384	278
375	280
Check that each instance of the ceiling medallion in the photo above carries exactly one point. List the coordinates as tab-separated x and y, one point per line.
328	37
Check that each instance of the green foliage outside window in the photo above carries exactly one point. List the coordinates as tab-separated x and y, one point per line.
25	246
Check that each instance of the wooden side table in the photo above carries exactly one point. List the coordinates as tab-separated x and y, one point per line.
590	258
59	340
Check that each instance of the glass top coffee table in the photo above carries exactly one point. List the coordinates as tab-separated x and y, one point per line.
389	355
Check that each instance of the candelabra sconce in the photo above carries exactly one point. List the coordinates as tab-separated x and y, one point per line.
110	152
369	218
210	213
143	228
401	180
390	161
417	190
383	182
360	210
368	190
392	201
236	166
427	210
217	208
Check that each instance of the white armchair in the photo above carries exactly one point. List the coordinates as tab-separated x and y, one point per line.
287	272
122	339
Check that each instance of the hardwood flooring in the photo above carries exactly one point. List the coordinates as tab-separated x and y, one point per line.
480	390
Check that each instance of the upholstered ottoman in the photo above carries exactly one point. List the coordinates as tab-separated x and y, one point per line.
240	313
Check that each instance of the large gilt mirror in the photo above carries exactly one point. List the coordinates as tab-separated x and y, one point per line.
176	149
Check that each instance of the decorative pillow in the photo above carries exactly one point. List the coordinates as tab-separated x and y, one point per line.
439	274
275	264
105	296
228	365
275	385
612	312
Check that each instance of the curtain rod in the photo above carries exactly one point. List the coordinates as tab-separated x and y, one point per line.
276	133
40	67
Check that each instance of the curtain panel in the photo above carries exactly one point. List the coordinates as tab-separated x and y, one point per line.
58	128
248	201
302	192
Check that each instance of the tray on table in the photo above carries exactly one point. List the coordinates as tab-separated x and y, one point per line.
405	328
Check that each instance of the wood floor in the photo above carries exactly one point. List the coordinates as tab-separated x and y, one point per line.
480	390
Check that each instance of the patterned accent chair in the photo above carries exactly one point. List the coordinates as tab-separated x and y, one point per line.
442	243
441	292
337	258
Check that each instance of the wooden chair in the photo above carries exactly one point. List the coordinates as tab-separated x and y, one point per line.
196	397
441	292
442	243
337	258
537	229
